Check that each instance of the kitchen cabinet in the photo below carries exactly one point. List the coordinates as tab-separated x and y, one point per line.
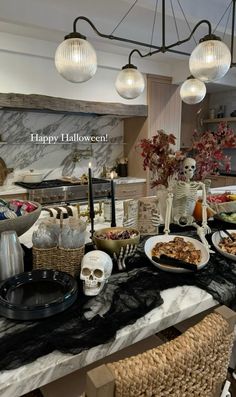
220	120
222	180
19	196
130	190
191	120
164	112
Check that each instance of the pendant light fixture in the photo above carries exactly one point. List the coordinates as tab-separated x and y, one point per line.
129	82
210	60
76	59
192	91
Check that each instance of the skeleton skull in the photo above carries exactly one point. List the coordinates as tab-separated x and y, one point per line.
189	168
96	268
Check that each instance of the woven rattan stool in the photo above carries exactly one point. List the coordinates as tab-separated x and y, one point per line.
192	365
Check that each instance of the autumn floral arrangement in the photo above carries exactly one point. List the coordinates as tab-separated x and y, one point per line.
207	149
160	157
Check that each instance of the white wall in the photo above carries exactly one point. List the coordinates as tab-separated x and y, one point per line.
27	66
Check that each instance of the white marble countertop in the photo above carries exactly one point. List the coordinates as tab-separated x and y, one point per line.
179	304
128	179
11	189
14	189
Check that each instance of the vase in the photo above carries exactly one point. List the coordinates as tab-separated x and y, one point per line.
162	194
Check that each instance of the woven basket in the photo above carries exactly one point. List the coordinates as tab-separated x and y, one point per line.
45	258
65	260
70	259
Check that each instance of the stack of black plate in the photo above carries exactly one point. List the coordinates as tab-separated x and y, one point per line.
37	294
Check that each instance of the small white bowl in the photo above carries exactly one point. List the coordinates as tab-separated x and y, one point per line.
152	241
216	239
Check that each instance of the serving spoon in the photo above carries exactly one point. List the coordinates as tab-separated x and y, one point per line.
228	234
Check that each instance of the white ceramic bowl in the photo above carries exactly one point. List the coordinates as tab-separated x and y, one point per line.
217	237
152	241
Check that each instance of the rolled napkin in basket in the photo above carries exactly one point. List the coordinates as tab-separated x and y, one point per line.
44	237
72	235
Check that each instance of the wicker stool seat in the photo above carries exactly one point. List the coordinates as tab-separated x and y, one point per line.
192	365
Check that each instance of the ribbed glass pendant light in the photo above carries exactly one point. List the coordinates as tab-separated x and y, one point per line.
76	60
192	91
129	82
210	60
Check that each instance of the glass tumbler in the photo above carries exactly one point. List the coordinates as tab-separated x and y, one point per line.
11	255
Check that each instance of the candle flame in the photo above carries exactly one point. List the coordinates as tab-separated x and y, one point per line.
112	174
90	164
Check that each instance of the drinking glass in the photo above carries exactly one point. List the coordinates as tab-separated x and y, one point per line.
11	255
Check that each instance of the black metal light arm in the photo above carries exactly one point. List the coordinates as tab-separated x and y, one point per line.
232	34
109	36
168	48
157	49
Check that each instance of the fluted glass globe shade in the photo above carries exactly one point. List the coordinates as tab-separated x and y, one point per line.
76	60
210	60
129	83
192	91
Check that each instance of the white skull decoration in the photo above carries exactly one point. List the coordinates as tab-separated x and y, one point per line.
189	168
96	268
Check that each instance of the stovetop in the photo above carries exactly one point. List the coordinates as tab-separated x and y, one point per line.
56	183
56	191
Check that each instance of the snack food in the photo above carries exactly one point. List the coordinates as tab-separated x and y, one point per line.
228	245
178	248
15	208
230	217
119	235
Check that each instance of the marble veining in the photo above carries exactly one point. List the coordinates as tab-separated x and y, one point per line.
22	151
179	304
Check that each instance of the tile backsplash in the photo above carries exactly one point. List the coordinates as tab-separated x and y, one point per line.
24	132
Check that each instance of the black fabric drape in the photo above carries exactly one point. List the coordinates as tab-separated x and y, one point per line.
93	321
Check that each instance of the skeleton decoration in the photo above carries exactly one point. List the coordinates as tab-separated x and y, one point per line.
181	200
189	166
96	268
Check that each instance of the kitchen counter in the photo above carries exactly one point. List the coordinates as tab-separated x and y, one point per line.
99	223
179	304
231	173
6	190
128	179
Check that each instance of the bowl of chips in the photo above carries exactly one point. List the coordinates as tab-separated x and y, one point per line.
18	215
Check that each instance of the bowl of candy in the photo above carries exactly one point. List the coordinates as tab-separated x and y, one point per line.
18	215
112	239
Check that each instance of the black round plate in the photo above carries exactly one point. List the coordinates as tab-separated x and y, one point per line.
37	294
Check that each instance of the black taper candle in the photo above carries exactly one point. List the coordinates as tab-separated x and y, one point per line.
113	207
91	205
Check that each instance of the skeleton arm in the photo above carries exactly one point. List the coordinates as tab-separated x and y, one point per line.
204	204
204	229
169	202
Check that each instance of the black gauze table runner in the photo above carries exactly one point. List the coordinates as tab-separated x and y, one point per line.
93	321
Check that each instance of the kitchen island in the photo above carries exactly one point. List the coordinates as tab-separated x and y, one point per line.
180	303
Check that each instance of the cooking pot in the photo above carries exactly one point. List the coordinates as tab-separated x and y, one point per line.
32	176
